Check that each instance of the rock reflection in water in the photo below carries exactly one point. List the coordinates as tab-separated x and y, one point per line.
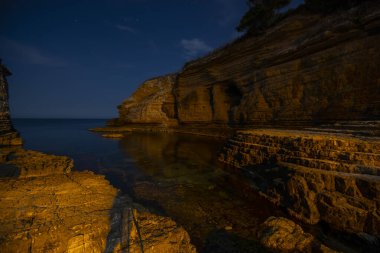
179	175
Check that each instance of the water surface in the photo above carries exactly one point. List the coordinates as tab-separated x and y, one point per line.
171	174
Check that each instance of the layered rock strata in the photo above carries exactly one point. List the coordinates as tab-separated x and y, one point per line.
152	103
48	208
329	177
306	70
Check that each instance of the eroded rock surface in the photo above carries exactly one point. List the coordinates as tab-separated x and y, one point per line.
317	176
283	235
26	163
305	70
153	102
47	208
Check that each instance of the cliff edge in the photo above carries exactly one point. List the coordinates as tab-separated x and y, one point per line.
306	70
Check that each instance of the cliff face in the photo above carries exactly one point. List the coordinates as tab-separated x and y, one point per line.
153	102
307	69
8	136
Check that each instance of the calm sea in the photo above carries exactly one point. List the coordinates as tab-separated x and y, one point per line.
153	155
69	137
176	175
171	174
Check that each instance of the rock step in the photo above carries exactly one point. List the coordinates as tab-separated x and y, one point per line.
350	184
344	153
316	176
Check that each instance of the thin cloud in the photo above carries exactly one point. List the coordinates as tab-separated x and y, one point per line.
194	47
29	54
126	28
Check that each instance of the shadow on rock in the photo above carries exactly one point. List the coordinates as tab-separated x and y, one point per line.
133	229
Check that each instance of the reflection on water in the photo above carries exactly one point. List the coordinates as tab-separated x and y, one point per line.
173	157
179	176
171	174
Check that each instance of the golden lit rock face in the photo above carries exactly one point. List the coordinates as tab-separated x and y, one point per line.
153	102
113	135
26	163
283	235
10	139
317	176
45	207
305	70
55	213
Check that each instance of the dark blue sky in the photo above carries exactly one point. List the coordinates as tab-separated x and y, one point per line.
81	58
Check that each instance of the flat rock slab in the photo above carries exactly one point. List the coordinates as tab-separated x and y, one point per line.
317	176
75	212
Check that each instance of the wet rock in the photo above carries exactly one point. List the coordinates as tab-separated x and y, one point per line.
215	223
113	135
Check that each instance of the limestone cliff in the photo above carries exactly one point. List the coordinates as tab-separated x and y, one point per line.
307	69
153	102
8	136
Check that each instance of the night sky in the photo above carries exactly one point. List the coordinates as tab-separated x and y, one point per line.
81	58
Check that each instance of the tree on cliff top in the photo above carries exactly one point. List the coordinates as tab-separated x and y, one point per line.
261	15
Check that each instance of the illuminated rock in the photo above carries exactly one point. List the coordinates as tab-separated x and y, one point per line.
153	102
283	235
47	208
317	176
305	70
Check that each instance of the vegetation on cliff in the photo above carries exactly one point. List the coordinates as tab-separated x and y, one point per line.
263	14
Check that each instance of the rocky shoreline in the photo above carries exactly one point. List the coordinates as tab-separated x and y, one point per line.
314	78
299	106
47	207
317	176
